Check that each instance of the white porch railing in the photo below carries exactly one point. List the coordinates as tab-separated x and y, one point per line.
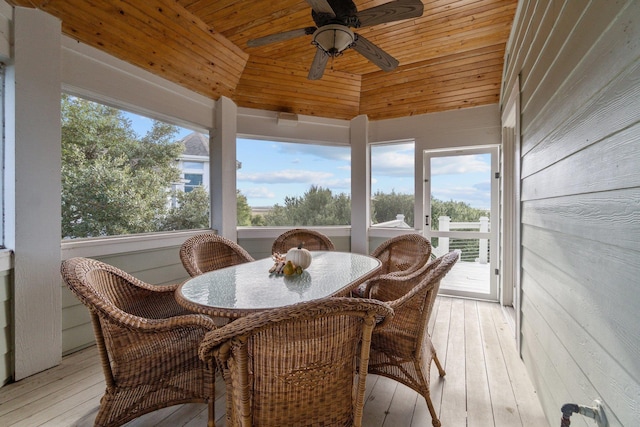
445	224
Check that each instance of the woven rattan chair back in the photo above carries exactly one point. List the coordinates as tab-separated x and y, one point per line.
401	349
209	251
311	240
296	365
148	344
403	254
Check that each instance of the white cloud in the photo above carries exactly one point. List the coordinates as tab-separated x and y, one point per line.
392	160
258	193
476	196
458	165
342	183
329	152
286	176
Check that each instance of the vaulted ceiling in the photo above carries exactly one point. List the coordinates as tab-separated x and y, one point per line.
451	57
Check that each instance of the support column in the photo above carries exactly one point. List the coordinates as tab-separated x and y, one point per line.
32	189
360	184
222	181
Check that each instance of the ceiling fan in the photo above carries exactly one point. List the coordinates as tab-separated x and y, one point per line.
332	34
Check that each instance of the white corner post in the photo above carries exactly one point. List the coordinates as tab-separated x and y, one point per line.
222	181
32	189
360	184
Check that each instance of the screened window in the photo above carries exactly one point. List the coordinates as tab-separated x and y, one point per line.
392	185
293	184
121	174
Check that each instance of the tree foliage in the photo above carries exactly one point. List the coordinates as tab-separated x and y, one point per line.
191	210
318	206
387	206
456	210
114	182
243	209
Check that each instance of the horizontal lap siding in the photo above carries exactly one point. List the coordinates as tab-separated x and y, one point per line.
579	67
6	337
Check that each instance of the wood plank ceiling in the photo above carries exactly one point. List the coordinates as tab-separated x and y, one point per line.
451	57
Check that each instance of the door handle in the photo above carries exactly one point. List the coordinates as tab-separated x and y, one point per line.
426	220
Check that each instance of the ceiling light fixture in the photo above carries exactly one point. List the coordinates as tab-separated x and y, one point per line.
333	38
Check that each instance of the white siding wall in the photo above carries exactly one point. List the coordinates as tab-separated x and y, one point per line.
6	321
579	68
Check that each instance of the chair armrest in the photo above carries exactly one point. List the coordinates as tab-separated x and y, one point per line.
389	283
163	339
398	279
145	324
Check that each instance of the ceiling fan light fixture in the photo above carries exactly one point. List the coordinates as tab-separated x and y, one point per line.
333	38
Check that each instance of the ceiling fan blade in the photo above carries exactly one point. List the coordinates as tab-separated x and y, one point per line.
318	65
374	54
321	6
392	11
280	37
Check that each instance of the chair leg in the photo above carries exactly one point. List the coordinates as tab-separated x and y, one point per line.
212	415
212	394
438	365
434	418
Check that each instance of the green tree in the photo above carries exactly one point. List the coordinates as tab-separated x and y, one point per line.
112	181
258	221
456	210
386	207
191	210
243	209
318	206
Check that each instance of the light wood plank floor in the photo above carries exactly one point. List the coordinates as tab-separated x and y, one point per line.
486	384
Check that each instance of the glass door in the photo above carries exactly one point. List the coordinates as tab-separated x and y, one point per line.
461	214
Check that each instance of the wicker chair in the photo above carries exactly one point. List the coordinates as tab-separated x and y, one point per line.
400	255
312	240
296	365
147	343
402	349
209	251
403	254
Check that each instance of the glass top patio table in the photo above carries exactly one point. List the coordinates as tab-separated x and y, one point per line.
249	287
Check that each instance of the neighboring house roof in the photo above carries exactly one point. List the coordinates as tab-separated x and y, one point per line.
196	144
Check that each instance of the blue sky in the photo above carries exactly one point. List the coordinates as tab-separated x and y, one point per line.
272	170
464	178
